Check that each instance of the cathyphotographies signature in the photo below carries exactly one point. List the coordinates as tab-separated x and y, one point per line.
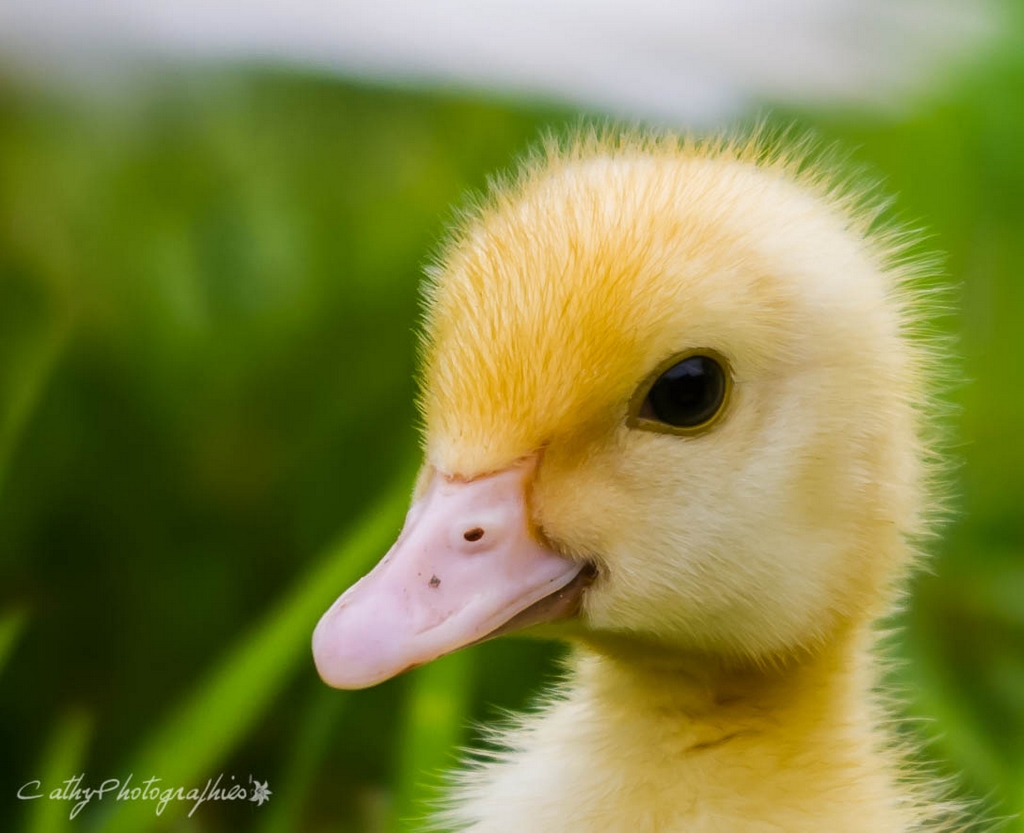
80	794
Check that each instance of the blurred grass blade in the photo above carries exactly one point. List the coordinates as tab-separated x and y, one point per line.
207	726
26	389
12	623
308	751
63	759
961	738
434	727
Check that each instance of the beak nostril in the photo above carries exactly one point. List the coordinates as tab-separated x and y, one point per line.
474	534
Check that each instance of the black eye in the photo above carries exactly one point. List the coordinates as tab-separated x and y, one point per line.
688	395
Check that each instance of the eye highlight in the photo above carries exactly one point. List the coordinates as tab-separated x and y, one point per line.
686	395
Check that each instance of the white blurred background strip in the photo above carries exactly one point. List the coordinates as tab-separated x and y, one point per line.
677	61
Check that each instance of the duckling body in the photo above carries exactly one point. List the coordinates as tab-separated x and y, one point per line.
717	554
658	749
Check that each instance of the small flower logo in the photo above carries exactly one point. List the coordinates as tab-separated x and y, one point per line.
260	792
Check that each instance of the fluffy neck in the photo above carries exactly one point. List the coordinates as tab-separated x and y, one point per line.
665	744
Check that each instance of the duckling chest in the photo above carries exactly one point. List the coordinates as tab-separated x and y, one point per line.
570	772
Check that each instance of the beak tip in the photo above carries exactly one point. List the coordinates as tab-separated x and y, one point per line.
328	666
346	662
332	672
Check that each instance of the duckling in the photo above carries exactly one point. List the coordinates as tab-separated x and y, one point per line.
675	406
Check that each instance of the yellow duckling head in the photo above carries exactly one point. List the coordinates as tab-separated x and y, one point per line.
671	398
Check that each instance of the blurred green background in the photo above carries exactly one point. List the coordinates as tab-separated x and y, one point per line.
208	297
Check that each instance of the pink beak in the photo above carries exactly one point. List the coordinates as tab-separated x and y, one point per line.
464	568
